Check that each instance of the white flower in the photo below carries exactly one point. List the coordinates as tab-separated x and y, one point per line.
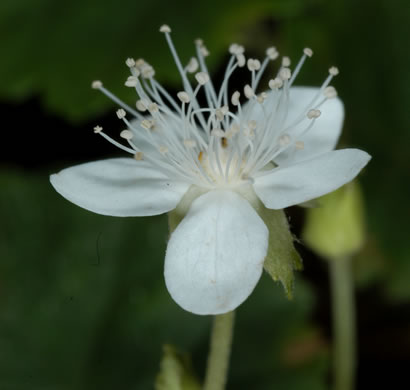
277	146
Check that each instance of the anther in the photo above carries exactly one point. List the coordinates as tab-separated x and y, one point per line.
221	112
285	74
183	96
165	28
193	65
163	149
132	81
285	61
139	156
308	51
97	129
130	62
275	83
313	114
126	134
272	53
121	113
241	60
262	97
248	91
333	71
253	64
236	49
96	84
299	145
235	98
147	71
202	78
284	140
153	107
252	124
189	143
142	105
146	124
330	92
204	51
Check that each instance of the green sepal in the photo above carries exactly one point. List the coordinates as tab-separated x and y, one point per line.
282	258
336	228
175	371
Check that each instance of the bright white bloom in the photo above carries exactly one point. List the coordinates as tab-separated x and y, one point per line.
239	146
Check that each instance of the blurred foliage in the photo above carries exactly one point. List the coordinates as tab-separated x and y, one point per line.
84	305
57	49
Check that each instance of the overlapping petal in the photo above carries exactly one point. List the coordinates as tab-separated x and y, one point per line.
215	256
303	181
324	134
120	187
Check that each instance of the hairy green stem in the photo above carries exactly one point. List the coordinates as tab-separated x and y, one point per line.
344	323
220	350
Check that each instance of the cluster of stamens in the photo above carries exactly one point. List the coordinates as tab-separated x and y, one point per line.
226	142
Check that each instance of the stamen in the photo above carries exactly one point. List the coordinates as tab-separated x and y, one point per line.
313	114
330	92
272	53
139	156
126	134
97	129
183	96
202	78
193	65
248	91
285	61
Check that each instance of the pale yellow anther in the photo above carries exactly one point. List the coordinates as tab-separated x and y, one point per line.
97	129
132	81
139	156
253	64
202	78
146	124
121	113
153	107
163	149
285	61
284	140
275	83
285	73
272	53
193	65
236	49
330	92
334	71
308	51
130	62
183	96
165	28
142	105
313	114
204	51
190	143
126	134
96	84
240	58
235	98
248	91
299	145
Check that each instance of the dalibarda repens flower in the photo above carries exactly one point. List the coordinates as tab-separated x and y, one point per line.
218	159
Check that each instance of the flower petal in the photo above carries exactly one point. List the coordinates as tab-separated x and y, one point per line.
215	256
120	187
324	134
303	181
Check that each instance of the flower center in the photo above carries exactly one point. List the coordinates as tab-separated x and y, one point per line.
228	141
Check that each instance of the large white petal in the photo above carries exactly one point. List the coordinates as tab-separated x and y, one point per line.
215	256
303	181
324	134
121	187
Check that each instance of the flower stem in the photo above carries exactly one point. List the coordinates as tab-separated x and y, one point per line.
344	332
220	350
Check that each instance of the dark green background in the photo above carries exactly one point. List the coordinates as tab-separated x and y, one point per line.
83	303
